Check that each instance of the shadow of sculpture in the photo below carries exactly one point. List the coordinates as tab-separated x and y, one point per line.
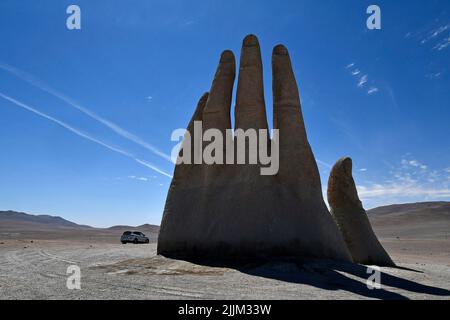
331	276
334	276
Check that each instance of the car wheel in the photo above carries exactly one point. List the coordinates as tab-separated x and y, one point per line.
147	241
135	241
123	242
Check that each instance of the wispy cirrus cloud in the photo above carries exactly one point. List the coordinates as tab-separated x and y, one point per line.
435	33
138	178
72	103
413	163
436	38
82	134
350	65
362	79
442	45
323	163
434	75
372	90
409	181
402	191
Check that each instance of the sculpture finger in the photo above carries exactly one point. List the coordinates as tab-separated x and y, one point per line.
295	152
217	110
192	143
351	217
286	101
198	113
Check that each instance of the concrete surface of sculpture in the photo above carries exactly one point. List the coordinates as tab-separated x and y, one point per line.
351	217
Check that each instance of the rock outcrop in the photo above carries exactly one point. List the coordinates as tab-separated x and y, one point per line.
232	212
351	217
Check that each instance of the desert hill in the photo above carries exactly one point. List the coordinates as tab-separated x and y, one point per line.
423	220
21	220
22	225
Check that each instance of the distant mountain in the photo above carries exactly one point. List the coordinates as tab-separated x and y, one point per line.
427	208
24	220
20	221
143	228
429	220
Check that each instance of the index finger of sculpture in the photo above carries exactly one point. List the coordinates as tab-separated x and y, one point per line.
217	110
198	113
250	111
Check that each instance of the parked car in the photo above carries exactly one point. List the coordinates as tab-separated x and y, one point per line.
134	237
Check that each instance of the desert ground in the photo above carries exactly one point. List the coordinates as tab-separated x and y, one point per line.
33	265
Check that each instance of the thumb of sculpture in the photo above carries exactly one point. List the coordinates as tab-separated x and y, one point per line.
351	217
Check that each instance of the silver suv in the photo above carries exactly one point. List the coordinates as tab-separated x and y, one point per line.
134	237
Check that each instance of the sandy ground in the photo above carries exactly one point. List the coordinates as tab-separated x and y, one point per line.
110	270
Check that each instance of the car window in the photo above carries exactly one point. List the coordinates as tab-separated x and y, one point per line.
126	233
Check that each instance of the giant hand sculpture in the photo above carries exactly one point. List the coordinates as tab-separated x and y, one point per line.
224	211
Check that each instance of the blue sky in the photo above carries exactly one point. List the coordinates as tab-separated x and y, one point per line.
86	115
